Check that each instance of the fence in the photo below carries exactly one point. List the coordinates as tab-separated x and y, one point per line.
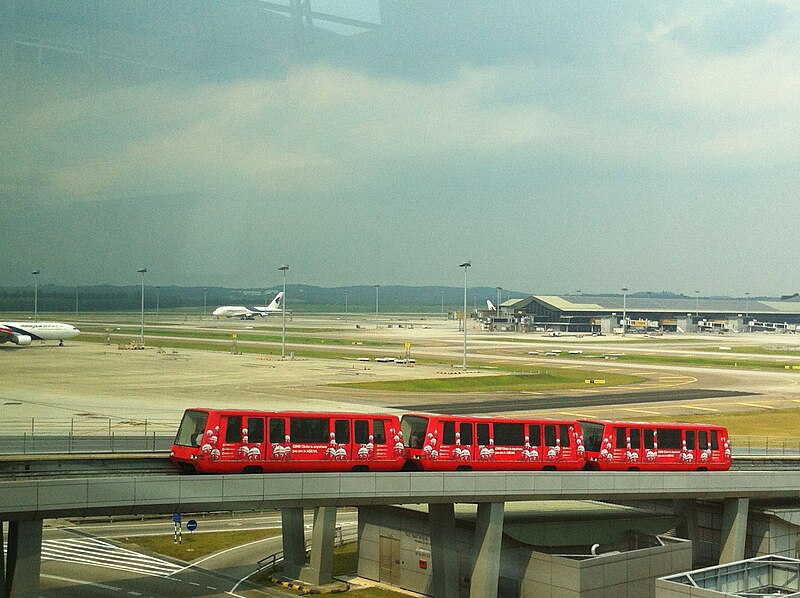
85	434
765	445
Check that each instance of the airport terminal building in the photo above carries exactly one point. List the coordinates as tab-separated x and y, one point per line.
618	313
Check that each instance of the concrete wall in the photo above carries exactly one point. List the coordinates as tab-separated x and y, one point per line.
524	573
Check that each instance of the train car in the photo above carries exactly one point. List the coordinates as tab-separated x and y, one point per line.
241	441
634	446
461	443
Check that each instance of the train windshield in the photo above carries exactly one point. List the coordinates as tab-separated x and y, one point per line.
190	432
414	429
592	435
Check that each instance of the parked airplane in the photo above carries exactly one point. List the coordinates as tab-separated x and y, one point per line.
248	312
23	333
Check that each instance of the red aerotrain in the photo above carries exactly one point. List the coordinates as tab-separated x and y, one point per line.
244	441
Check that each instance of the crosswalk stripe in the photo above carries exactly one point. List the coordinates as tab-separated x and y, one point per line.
93	551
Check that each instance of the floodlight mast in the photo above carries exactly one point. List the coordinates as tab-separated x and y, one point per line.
465	265
283	269
142	272
35	295
624	315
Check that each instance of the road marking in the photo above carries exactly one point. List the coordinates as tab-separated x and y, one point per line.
82	582
100	553
699	408
642	411
755	405
570	414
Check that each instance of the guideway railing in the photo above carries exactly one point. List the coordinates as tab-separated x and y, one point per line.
85	434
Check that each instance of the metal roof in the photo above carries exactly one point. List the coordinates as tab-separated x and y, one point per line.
687	305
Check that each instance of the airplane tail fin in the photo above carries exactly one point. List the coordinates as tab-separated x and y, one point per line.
276	304
490	305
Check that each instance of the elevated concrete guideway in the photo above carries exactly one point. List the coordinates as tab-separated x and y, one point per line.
24	503
47	498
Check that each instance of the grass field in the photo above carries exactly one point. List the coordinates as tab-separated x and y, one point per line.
773	422
198	544
529	381
666	359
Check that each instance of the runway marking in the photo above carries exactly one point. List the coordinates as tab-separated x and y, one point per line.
754	405
641	411
699	408
570	414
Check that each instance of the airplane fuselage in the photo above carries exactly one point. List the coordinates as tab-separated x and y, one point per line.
23	333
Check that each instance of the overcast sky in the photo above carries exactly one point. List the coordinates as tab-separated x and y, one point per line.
558	145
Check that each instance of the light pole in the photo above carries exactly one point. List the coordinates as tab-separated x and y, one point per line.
205	298
442	292
283	269
76	303
157	290
465	265
497	307
747	305
142	271
377	286
35	295
346	293
697	303
624	314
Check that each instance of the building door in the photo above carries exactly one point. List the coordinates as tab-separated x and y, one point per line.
390	560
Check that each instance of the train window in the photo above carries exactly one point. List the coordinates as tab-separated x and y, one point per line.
549	435
483	434
563	434
233	430
414	429
341	428
509	434
691	442
592	435
361	431
448	432
636	438
190	432
649	439
669	438
466	433
621	440
309	429
535	434
714	441
255	429
378	432
277	430
702	439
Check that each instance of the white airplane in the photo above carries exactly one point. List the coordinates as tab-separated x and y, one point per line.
248	312
23	333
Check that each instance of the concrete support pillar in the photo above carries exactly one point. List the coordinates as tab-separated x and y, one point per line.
444	555
686	511
294	541
320	570
488	542
24	559
734	529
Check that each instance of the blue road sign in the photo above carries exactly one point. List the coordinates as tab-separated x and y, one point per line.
191	525
176	517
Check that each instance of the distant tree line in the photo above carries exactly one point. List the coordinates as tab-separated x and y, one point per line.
52	298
